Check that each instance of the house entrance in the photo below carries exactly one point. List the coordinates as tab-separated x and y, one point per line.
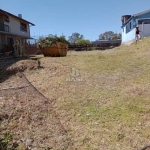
10	42
144	26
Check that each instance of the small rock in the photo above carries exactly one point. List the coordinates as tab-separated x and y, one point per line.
62	137
29	143
96	123
21	146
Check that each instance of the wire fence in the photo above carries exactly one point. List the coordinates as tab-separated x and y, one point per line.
27	114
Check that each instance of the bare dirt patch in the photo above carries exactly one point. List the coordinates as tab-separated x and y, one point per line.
22	66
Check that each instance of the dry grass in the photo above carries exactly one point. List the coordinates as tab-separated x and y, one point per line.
110	108
26	114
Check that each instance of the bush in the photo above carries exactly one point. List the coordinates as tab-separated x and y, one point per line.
5	48
83	42
50	40
6	142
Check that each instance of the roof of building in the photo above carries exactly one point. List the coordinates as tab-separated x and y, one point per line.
136	15
7	13
141	13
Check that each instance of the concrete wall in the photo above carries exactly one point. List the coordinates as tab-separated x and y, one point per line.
123	31
14	26
145	30
146	27
128	36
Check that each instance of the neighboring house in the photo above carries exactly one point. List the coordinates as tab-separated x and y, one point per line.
129	24
13	28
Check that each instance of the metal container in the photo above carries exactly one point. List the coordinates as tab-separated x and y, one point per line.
58	50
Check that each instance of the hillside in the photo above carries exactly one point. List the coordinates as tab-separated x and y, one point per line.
106	106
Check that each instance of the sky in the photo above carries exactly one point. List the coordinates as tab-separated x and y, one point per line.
64	17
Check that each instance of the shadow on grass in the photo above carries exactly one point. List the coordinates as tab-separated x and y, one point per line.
6	61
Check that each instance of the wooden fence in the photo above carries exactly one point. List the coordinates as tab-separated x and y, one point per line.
32	49
101	46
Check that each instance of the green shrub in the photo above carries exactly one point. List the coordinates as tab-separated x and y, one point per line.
6	142
83	42
5	48
50	40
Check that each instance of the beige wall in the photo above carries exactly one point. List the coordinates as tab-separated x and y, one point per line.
14	26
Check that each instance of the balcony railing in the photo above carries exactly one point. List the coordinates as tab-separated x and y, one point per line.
23	29
4	27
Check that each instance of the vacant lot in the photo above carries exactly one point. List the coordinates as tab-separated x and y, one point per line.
106	106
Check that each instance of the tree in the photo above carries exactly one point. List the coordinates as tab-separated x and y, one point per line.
109	35
106	35
119	36
115	37
75	37
83	42
62	38
101	37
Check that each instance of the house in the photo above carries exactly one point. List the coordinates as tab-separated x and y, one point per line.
129	24
13	28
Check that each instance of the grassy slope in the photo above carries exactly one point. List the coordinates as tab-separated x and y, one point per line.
110	108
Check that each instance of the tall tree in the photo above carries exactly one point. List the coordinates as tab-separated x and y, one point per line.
101	37
106	35
109	35
75	37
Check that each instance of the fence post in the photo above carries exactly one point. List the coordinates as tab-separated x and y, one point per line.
142	30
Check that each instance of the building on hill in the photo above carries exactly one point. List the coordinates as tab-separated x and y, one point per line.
13	29
129	24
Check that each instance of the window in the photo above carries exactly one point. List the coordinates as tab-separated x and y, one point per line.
6	28
145	21
6	18
130	25
10	40
0	40
127	28
0	43
23	27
